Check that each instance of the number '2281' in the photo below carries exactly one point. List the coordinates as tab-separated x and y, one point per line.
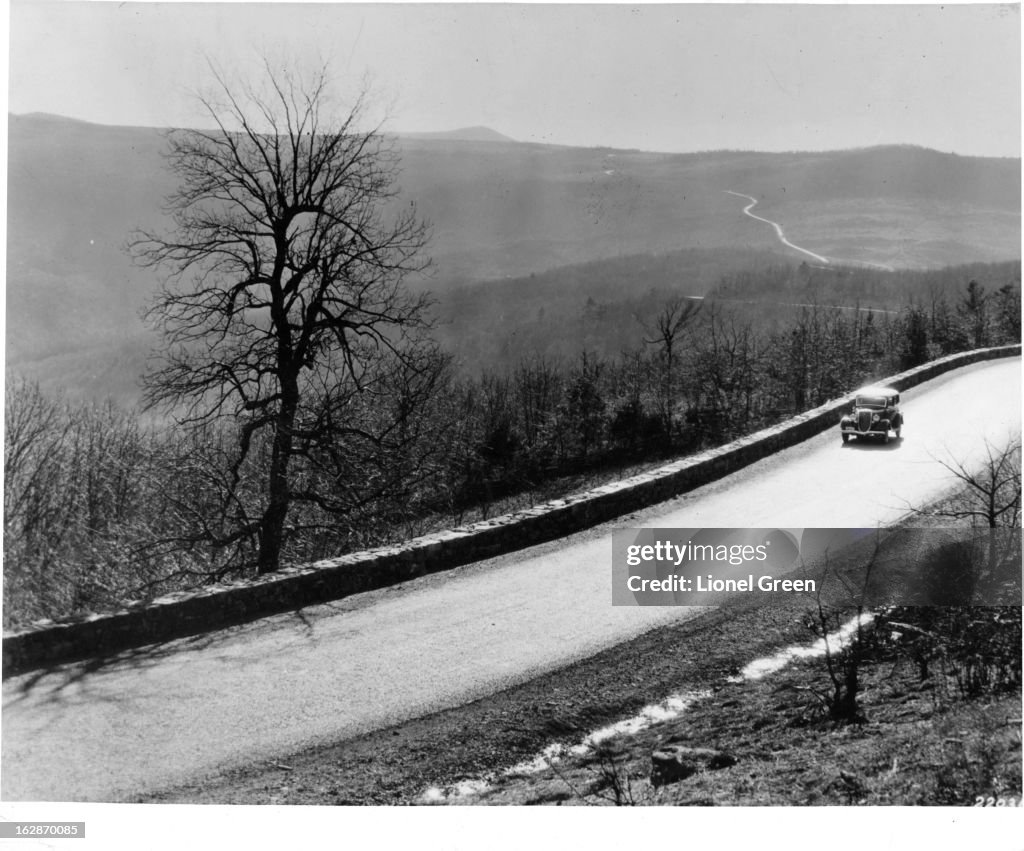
991	801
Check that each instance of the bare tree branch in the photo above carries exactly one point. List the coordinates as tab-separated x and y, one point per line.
284	294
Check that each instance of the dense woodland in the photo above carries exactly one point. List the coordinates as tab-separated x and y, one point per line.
103	504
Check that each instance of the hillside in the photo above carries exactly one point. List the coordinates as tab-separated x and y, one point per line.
499	210
599	306
463	134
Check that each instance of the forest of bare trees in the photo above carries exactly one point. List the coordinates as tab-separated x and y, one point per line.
102	506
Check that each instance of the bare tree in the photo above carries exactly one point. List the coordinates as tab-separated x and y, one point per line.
990	497
727	370
285	288
675	315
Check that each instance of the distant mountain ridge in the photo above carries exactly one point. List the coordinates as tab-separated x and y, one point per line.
498	209
480	133
463	134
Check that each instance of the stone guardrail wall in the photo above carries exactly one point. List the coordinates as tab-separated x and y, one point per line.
187	613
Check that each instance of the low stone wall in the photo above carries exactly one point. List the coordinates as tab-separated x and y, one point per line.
187	613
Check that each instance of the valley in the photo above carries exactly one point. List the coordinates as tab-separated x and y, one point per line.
525	236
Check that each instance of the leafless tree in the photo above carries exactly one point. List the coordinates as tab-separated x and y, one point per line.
726	367
284	294
990	498
675	315
844	648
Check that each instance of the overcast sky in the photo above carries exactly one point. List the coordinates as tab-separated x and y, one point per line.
662	77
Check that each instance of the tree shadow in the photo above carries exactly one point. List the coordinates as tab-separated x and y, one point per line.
51	681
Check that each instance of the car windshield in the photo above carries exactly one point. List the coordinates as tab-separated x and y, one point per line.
870	401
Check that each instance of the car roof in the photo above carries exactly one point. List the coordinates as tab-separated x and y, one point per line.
877	391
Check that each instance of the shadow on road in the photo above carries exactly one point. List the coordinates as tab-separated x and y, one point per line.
51	681
873	444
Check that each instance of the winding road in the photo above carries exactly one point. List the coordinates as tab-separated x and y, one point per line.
782	238
778	228
164	715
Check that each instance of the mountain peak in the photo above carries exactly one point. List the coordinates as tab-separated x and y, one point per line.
47	116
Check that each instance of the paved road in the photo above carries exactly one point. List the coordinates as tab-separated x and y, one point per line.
171	713
782	238
778	228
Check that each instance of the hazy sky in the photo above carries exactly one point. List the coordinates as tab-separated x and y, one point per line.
657	77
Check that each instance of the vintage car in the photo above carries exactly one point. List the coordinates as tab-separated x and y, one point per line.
875	413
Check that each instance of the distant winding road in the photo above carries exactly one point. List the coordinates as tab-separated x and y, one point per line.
782	238
165	715
778	228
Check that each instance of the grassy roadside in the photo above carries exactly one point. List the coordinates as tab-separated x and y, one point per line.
921	744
